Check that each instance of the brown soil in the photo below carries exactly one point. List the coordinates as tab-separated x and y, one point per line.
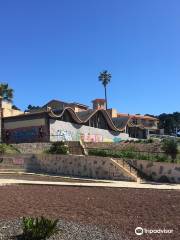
51	178
123	209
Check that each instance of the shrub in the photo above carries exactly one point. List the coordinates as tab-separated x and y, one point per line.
150	140
170	147
2	149
8	149
111	153
58	148
38	228
129	154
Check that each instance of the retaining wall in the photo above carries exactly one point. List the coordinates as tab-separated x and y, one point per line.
73	165
36	148
159	171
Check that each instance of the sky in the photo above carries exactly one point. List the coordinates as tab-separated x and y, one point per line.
55	49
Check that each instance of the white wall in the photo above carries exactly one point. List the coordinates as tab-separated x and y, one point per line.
65	131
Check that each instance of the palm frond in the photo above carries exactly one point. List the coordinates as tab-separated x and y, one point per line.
105	77
5	92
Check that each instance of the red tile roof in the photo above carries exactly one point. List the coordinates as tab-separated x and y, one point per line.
136	116
99	100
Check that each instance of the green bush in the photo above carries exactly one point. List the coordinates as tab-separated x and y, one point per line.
38	228
58	148
150	140
170	147
129	154
2	149
111	153
8	149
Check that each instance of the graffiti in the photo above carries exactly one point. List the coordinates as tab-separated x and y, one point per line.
18	161
116	139
108	140
65	131
92	137
64	135
26	134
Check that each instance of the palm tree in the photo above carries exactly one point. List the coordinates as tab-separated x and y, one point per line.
6	93
105	78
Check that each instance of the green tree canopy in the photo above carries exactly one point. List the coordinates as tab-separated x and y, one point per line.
6	92
30	107
170	122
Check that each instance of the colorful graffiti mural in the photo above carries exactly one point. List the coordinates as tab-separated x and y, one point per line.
25	134
64	135
92	137
65	131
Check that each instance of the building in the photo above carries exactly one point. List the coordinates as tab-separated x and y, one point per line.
61	121
8	110
136	126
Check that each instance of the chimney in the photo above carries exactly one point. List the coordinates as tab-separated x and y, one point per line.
99	103
113	112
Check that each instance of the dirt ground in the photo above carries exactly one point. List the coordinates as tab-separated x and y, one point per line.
39	177
122	209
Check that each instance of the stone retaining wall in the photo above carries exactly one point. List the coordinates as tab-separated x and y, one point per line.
73	165
35	148
159	171
38	148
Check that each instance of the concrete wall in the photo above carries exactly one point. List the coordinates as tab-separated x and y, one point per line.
26	131
65	131
24	123
159	171
33	148
8	111
73	165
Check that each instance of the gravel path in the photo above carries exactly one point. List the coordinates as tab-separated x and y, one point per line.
94	212
69	231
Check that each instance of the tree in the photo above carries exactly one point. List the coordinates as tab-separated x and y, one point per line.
170	147
170	122
105	78
15	107
30	107
6	93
